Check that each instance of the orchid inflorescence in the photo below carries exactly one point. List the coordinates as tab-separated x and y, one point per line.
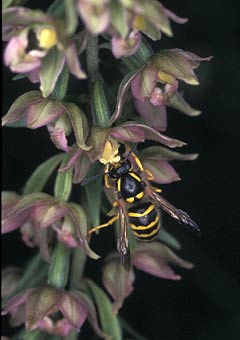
52	295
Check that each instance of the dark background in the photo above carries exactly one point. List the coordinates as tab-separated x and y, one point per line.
206	303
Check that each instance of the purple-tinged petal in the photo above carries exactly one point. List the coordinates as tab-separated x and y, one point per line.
157	97
45	215
153	258
63	328
122	91
18	108
16	58
159	153
81	168
151	134
59	130
76	153
32	200
13	222
10	279
67	233
98	139
15	302
43	112
178	63
22	16
117	281
10	223
154	266
34	76
128	134
79	123
79	218
58	137
144	83
126	47
155	116
95	15
41	302
175	17
73	310
73	62
179	103
162	171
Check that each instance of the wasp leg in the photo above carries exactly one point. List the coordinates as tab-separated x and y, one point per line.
138	162
141	168
106	182
110	222
156	189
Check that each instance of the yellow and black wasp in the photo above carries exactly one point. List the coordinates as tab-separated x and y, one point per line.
138	202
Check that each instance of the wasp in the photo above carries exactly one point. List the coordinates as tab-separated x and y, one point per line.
138	202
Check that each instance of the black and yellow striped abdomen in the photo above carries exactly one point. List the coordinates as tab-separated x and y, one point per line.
144	221
130	187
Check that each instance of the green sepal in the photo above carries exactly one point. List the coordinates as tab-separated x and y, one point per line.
94	193
51	68
63	182
59	267
109	321
144	51
61	86
100	108
167	238
119	18
41	174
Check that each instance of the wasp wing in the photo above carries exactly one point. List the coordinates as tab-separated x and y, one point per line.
178	214
122	246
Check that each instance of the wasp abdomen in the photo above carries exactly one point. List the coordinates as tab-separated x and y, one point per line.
131	187
144	221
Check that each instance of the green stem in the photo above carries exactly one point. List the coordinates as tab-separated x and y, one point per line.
59	267
92	57
77	267
99	106
61	86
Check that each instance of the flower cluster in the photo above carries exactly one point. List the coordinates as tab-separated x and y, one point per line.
53	294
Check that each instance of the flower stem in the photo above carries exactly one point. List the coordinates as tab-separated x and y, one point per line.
99	106
77	267
59	267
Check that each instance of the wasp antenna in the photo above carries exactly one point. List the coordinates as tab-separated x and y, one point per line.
90	179
133	147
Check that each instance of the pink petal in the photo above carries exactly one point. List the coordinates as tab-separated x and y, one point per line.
175	17
126	47
41	113
155	116
162	171
73	310
15	302
58	137
73	62
47	214
128	134
154	266
144	83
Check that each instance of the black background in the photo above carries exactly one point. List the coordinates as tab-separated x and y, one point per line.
206	303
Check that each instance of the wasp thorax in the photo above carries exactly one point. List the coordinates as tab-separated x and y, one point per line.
120	169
